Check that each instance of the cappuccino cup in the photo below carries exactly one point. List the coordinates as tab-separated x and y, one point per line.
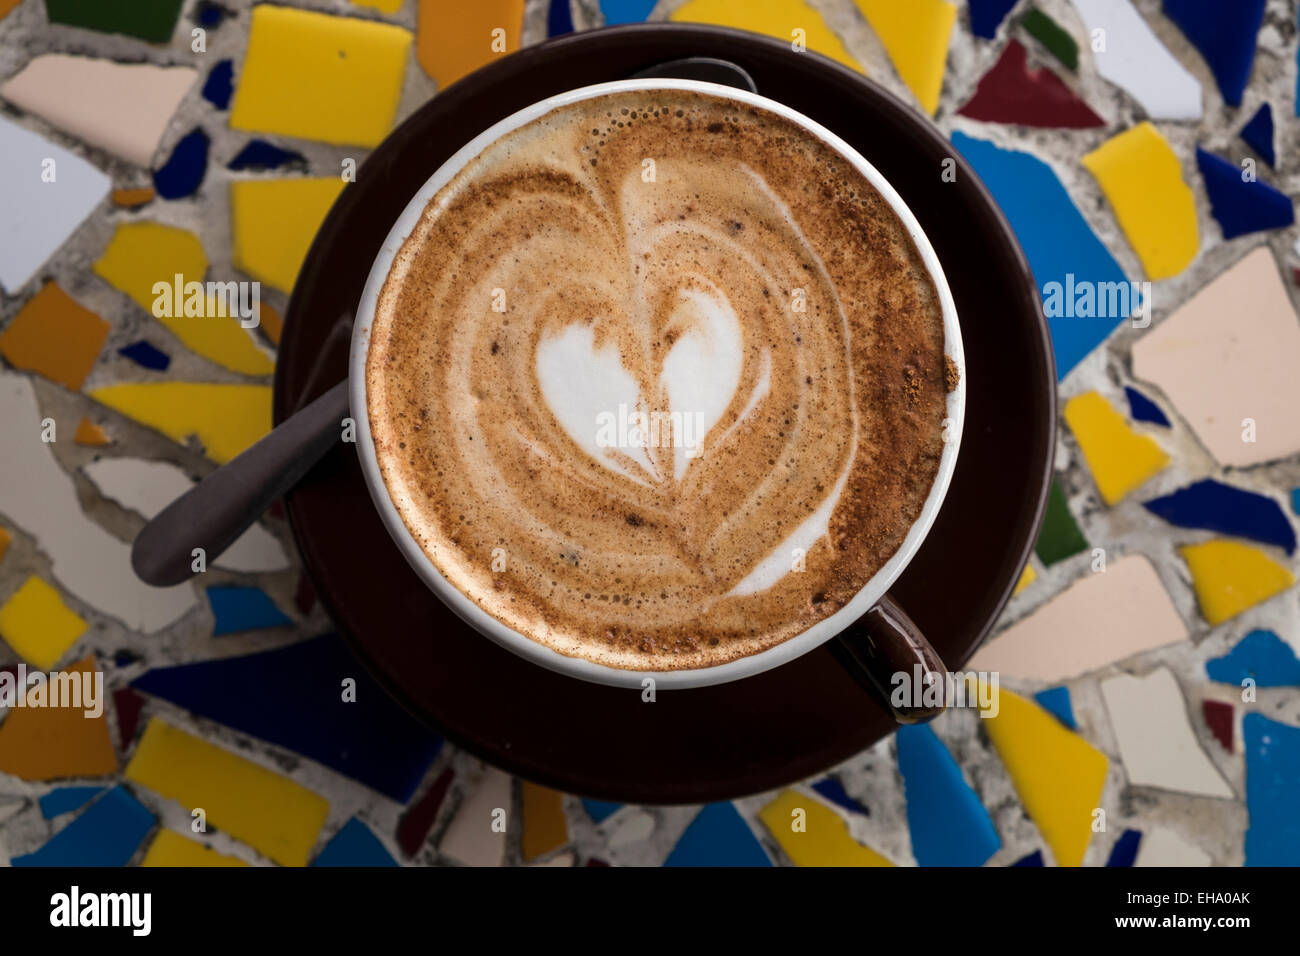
660	381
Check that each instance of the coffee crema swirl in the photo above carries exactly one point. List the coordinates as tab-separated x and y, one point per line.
658	380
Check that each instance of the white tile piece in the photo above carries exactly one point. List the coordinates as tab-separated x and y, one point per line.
1135	60
39	215
147	487
1228	354
1166	848
37	496
1102	618
123	108
567	858
472	838
1156	743
631	827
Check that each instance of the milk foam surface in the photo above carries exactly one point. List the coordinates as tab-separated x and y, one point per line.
658	380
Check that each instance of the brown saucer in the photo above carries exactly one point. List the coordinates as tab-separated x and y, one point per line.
716	742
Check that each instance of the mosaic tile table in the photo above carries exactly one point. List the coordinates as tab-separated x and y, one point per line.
1151	690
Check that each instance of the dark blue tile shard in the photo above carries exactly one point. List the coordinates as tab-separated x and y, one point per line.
1142	409
1056	701
1272	783
210	14
1033	859
1210	505
354	845
1125	850
1242	206
1225	33
182	174
146	355
219	87
243	609
600	810
67	799
718	836
259	154
106	834
559	18
987	15
834	791
1261	656
294	697
1258	134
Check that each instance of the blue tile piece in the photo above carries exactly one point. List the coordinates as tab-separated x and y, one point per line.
834	791
1258	134
1295	500
210	14
1056	701
1142	409
1272	789
1242	207
183	172
559	18
987	15
67	799
1213	506
1062	249
259	154
1225	33
1125	850
949	825
718	836
146	355
601	810
219	87
626	11
293	697
1263	657
106	834
243	609
1033	859
354	845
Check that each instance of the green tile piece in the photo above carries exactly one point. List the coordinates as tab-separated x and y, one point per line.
1050	34
1060	537
152	20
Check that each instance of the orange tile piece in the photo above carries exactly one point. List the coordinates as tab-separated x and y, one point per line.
5	538
49	743
453	38
130	198
272	323
545	826
7	7
56	336
88	433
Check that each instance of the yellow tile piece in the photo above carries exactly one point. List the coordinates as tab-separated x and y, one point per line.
171	849
5	538
1027	577
1230	577
777	18
272	323
1119	458
915	34
38	625
54	335
825	839
1143	179
225	418
454	38
272	224
52	743
268	811
383	6
545	826
1058	775
142	254
88	433
333	79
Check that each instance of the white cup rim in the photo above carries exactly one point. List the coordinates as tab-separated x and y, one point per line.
526	647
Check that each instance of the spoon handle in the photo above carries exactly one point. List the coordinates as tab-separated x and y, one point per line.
217	510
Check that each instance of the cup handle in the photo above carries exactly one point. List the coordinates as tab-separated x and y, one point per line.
885	642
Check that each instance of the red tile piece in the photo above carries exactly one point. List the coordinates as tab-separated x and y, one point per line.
1013	93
